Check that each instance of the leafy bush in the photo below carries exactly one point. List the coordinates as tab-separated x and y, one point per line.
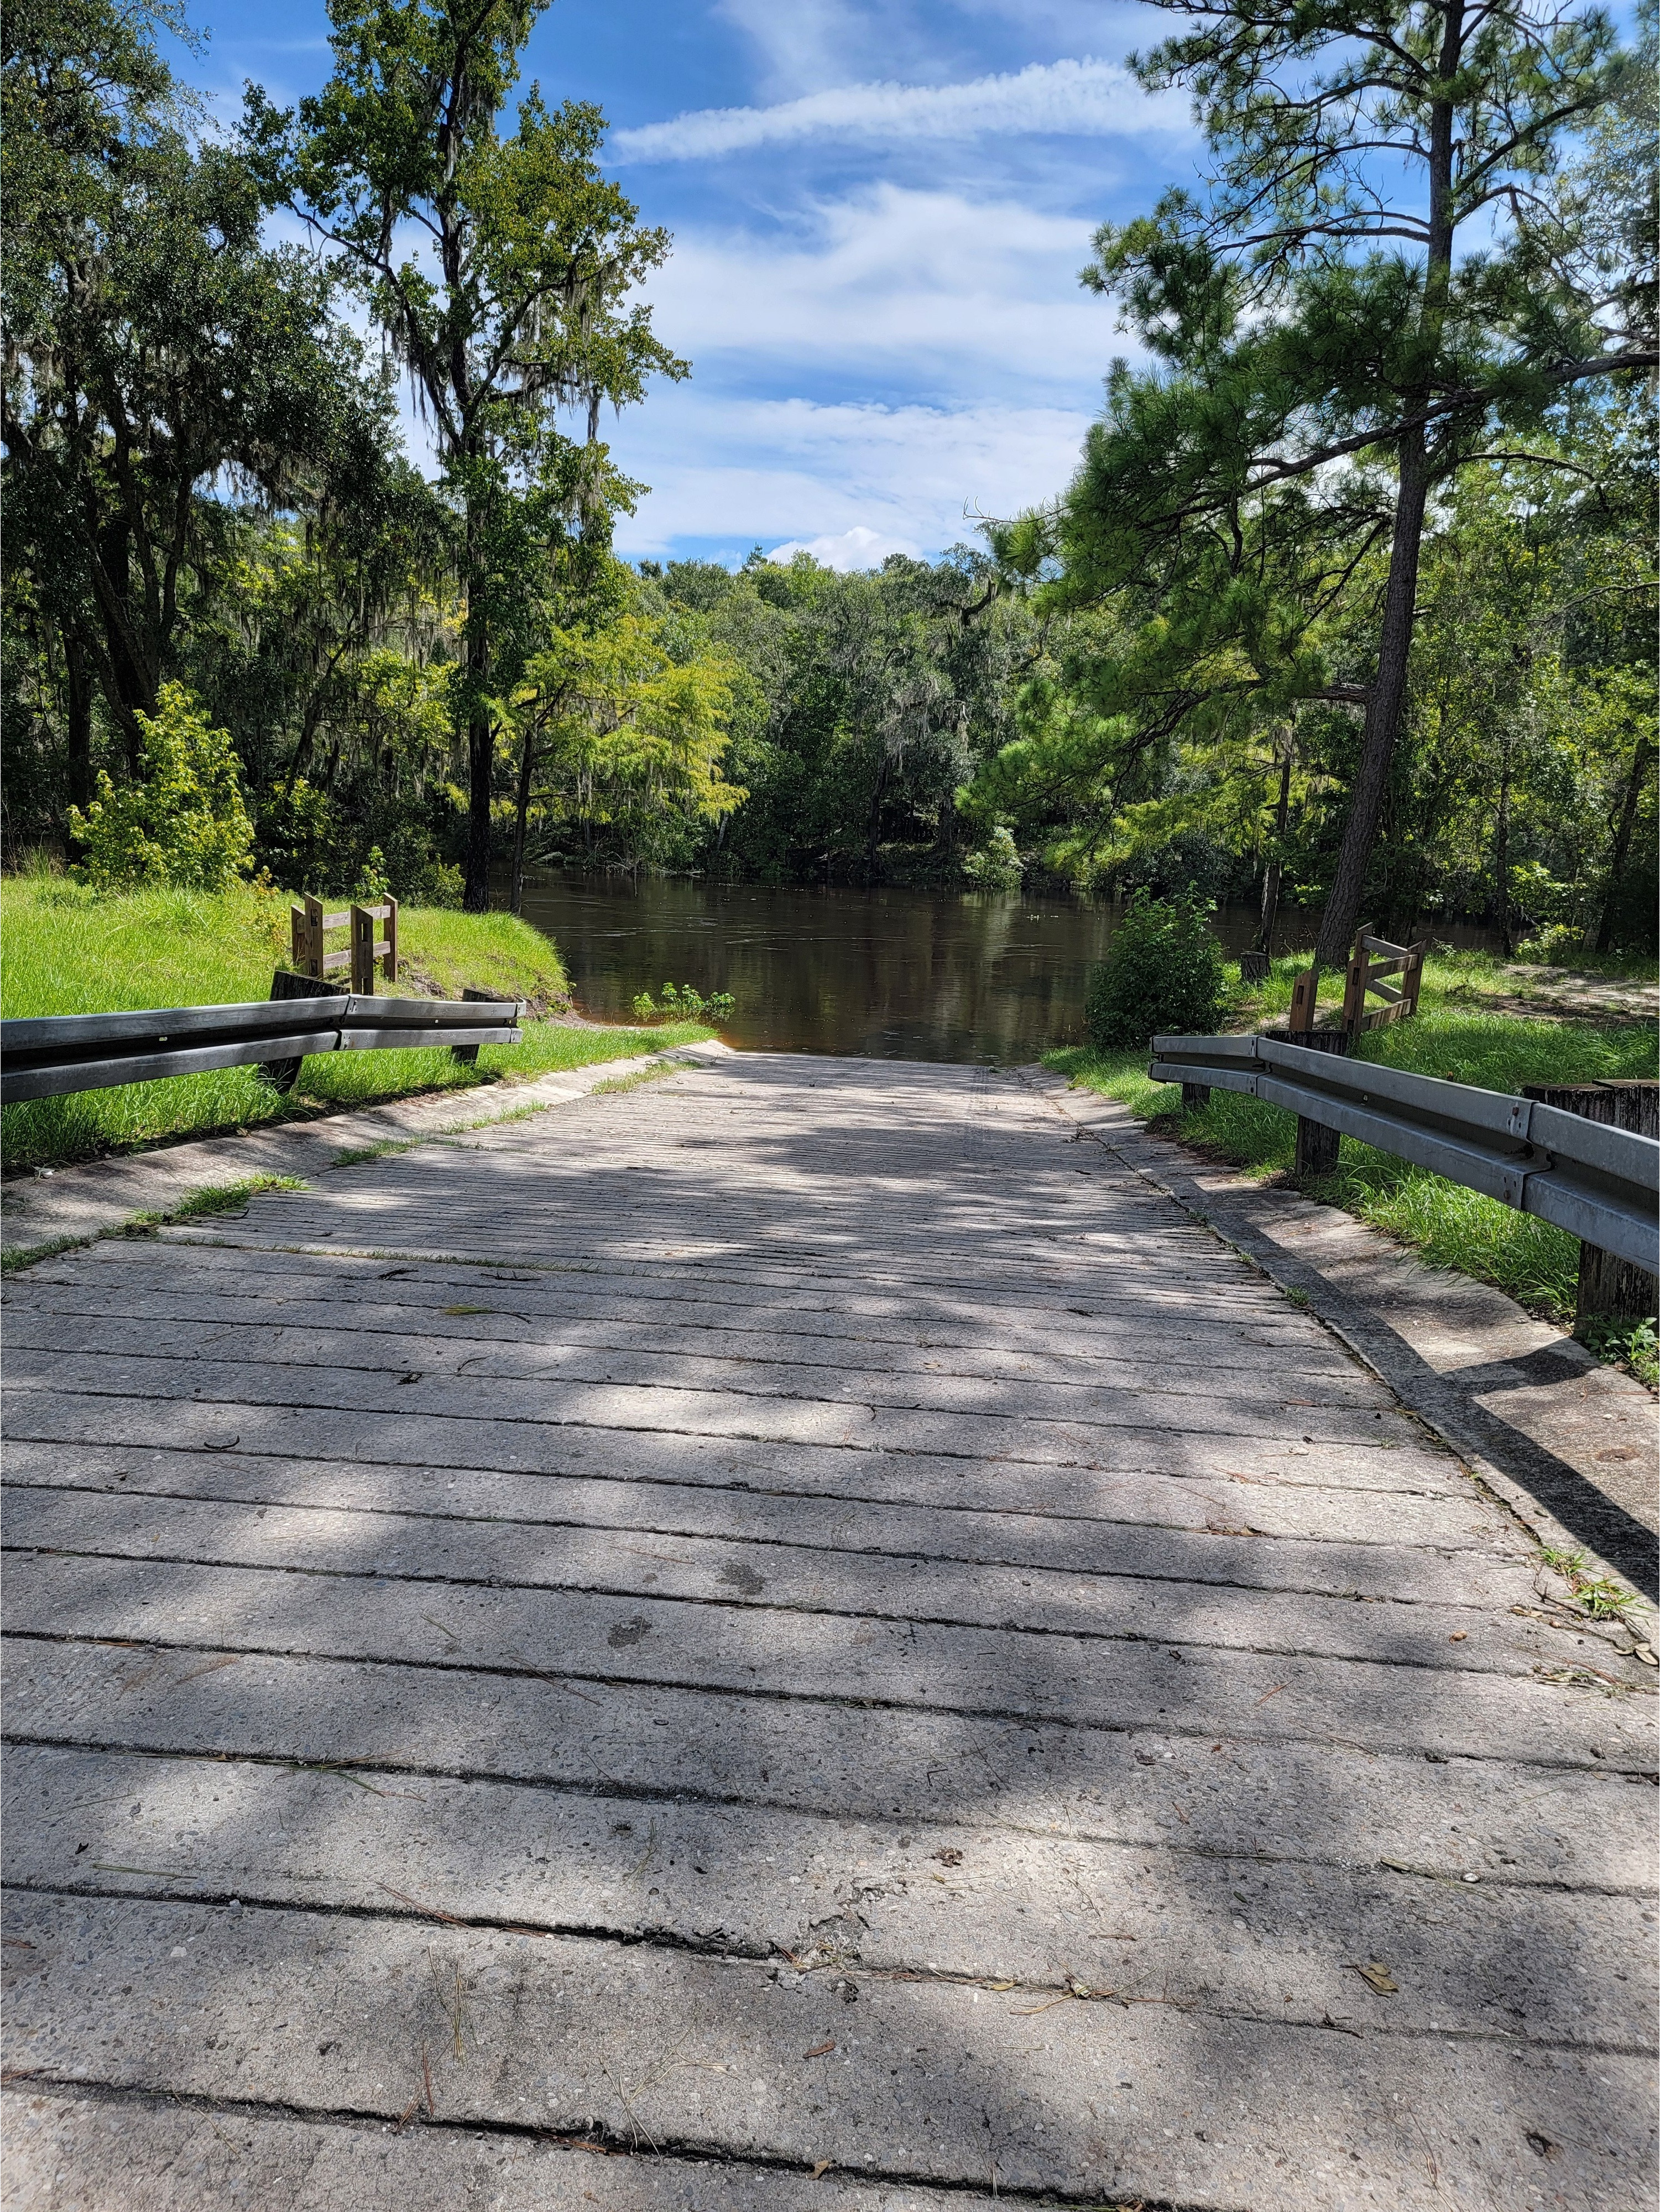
184	823
685	1005
996	866
1559	946
1163	972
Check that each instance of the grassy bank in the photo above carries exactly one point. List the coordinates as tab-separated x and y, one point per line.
63	950
1451	1226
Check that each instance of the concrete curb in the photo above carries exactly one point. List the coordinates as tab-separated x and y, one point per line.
1379	1311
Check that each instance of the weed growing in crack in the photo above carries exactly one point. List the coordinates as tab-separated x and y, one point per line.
1599	1596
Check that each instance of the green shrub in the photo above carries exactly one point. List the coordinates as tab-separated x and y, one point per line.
184	823
685	1004
1163	973
996	866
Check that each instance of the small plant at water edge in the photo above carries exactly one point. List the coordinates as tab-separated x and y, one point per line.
683	1004
1163	973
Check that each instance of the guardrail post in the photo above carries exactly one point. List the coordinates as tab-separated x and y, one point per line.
1194	1094
1610	1288
1317	1146
283	1074
467	1055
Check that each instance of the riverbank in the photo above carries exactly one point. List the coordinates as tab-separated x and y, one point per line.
1457	1037
67	951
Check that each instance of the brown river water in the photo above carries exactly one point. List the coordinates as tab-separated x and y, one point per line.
886	974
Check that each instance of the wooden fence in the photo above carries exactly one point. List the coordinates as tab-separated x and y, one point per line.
310	925
1372	960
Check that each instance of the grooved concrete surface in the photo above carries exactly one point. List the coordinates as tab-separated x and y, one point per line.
788	1638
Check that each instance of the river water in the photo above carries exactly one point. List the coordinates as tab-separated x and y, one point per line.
889	974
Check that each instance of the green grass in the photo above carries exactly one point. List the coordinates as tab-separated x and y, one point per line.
66	951
216	1198
1449	1226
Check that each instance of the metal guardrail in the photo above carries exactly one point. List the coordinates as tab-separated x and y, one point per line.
52	1055
1601	1184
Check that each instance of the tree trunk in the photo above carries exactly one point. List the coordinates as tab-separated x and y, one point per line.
1623	835
481	759
1387	695
1271	874
521	810
132	696
80	719
874	832
1501	859
481	739
1383	706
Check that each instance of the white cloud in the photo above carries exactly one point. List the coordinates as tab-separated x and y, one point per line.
948	296
1094	97
806	43
858	548
853	479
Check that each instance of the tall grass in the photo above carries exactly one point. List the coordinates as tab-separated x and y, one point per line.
1449	1226
63	950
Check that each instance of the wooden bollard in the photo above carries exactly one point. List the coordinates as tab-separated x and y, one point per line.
1317	1146
1610	1288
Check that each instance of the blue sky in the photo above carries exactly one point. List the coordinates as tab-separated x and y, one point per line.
879	210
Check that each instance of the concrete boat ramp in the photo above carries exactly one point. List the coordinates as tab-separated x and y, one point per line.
791	1637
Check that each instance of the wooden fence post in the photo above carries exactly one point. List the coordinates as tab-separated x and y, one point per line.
1354	984
363	952
308	930
1610	1289
1304	995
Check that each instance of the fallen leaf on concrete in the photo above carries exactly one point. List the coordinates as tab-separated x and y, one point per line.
822	2167
949	1856
469	1309
431	1910
560	1683
162	1874
820	2049
1377	1976
229	1659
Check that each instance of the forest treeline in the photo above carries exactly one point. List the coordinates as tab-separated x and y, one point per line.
1351	601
